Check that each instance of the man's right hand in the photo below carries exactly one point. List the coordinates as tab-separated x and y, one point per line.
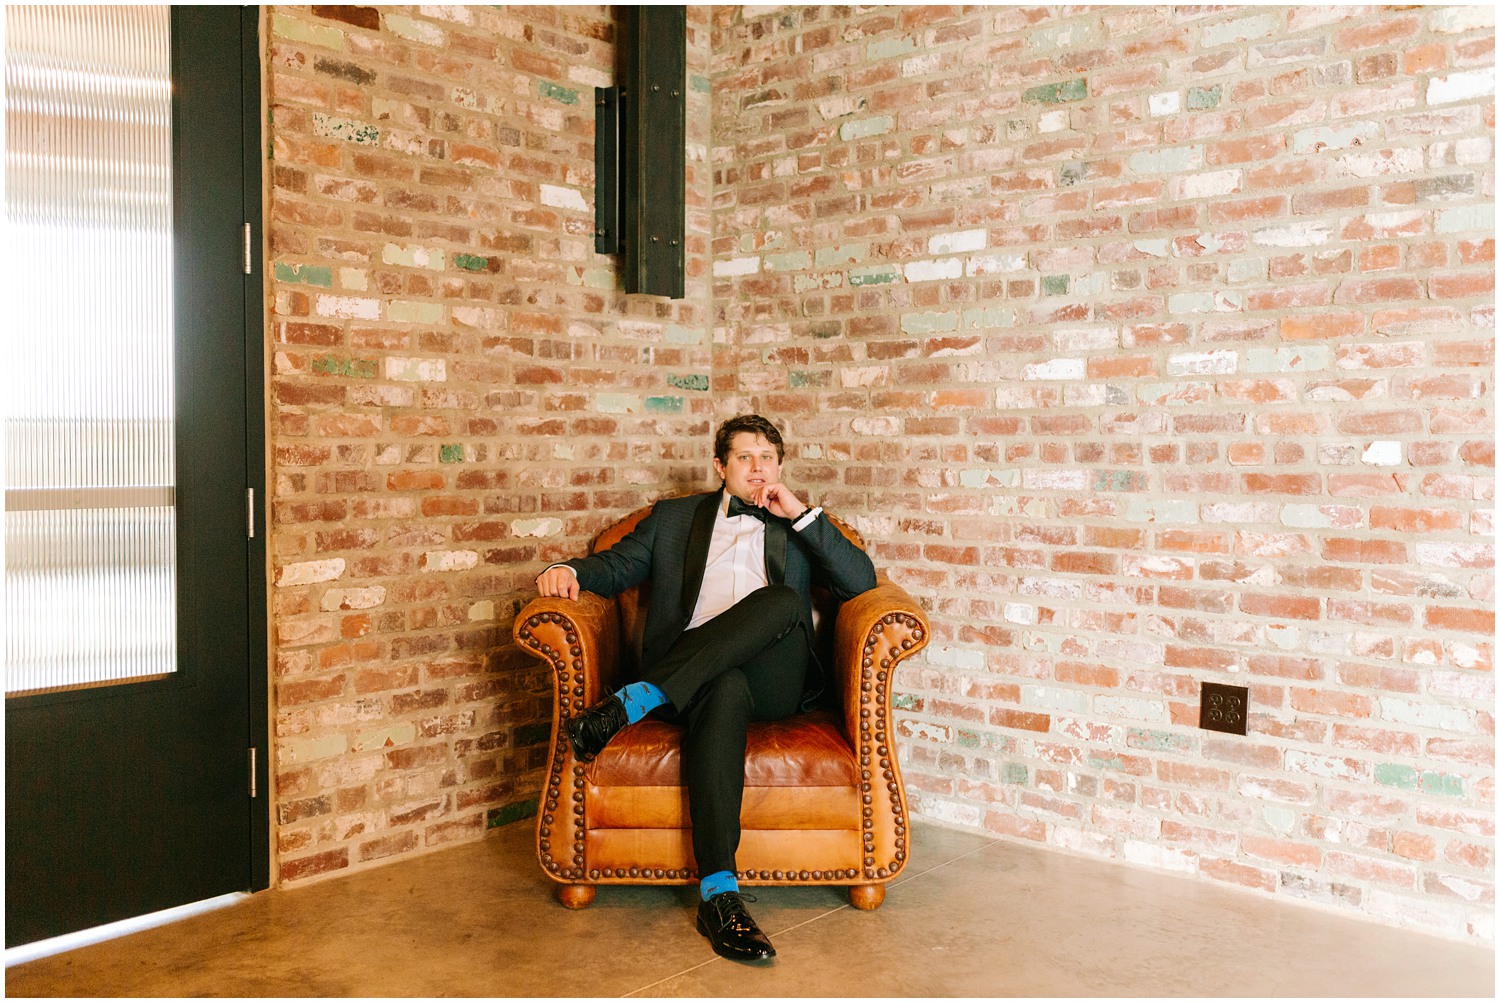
558	581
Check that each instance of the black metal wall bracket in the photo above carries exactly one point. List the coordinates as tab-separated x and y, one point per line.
640	153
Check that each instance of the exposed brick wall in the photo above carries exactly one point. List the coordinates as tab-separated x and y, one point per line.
1149	346
457	394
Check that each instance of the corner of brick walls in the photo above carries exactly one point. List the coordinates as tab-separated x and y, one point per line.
457	395
1149	346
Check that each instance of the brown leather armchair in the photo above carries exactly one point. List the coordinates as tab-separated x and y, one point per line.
824	803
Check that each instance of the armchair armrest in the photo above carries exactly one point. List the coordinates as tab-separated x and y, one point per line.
580	639
874	632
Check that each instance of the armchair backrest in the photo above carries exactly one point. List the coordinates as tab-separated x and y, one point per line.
633	603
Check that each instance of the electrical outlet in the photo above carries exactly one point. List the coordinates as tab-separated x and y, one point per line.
1224	708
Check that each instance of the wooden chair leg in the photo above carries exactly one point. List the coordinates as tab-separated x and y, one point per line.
866	896
576	896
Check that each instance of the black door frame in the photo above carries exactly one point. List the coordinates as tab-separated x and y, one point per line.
227	54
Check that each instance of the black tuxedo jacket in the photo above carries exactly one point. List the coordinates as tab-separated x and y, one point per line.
669	547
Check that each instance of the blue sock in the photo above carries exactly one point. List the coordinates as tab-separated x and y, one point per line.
717	883
640	699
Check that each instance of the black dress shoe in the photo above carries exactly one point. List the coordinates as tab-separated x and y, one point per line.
731	931
591	731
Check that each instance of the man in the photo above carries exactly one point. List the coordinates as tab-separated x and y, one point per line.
728	640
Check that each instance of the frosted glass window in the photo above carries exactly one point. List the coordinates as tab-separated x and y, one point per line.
90	528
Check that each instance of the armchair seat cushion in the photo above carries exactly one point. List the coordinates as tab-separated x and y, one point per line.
808	750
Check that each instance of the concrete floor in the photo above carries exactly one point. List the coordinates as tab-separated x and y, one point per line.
969	917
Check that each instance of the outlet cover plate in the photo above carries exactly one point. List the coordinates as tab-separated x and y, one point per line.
1224	708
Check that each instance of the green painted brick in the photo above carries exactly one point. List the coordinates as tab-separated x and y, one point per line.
864	128
874	275
698	82
825	329
887	48
989	317
1442	783
664	405
1013	773
1072	90
799	378
308	275
1054	285
1119	480
472	262
599	278
514	812
1176	160
360	368
556	92
617	403
451	453
967	739
692	381
678	334
1242	30
346	129
1392	775
300	31
789	261
843	254
410	312
1152	740
1199	98
928	323
905	701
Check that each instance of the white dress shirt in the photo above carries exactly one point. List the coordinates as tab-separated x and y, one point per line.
736	561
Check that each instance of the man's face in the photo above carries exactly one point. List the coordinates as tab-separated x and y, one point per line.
752	464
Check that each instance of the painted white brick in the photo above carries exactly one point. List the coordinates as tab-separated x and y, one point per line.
736	266
1193	363
1161	857
1056	369
926	271
563	198
1457	720
1461	86
958	241
364	598
449	560
540	528
1383	454
1207	185
352	307
309	572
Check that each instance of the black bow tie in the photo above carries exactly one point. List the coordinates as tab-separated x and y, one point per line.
737	507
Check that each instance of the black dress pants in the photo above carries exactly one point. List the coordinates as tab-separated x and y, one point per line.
746	664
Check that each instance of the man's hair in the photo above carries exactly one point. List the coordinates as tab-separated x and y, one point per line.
752	423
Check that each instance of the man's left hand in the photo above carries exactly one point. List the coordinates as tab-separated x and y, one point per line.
778	500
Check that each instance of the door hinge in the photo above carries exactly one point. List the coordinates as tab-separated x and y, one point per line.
254	790
250	512
249	261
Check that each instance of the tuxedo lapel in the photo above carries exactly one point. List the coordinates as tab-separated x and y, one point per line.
775	551
696	558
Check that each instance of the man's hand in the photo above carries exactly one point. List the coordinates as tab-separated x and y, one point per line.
559	581
778	500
